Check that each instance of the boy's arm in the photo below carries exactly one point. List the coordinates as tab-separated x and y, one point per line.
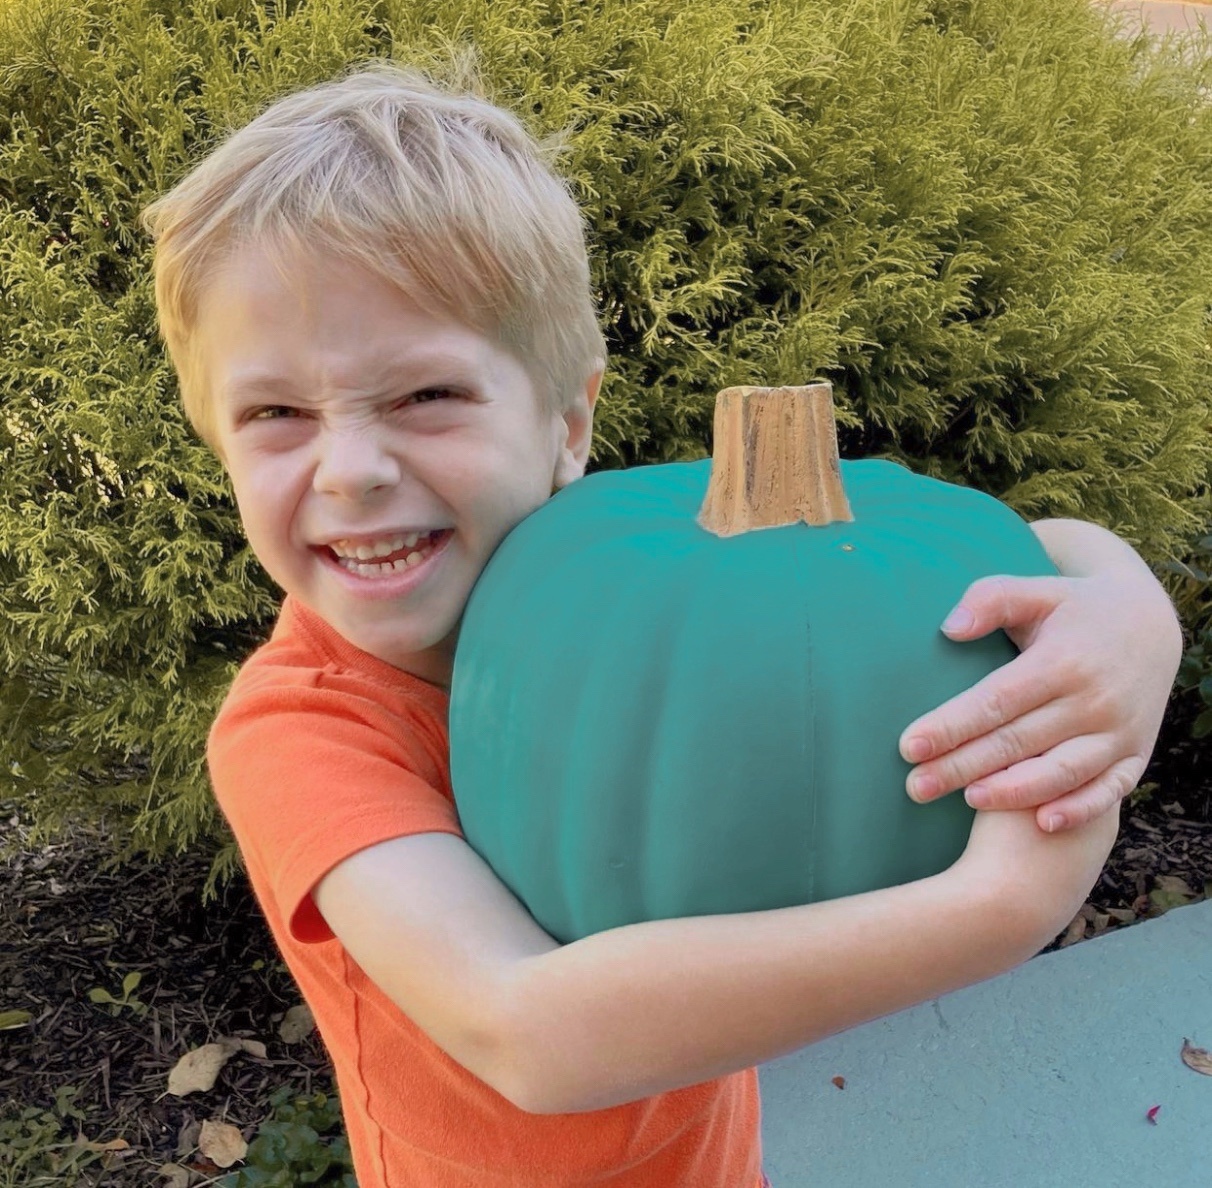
1068	725
652	1007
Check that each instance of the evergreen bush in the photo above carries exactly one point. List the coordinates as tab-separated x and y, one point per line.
986	221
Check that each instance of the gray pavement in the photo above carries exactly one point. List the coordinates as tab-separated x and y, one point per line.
1041	1078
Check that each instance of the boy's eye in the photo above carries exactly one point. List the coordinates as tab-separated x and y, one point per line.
273	412
427	395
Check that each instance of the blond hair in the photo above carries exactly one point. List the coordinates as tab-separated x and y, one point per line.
442	194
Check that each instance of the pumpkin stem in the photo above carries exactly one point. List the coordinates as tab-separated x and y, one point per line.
775	460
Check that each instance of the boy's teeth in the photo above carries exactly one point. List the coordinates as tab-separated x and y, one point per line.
371	560
377	548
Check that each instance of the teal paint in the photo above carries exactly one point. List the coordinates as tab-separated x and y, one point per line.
648	721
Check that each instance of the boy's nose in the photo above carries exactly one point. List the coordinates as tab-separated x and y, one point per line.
352	465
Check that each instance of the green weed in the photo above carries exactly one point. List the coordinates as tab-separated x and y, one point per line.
303	1143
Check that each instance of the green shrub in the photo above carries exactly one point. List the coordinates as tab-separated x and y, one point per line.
1194	603
986	221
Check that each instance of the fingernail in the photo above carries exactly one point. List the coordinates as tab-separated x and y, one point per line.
959	619
917	749
977	796
921	786
1054	823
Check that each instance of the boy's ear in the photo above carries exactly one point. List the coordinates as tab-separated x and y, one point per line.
578	432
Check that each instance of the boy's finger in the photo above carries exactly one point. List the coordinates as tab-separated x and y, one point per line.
994	702
1004	601
1065	768
1085	804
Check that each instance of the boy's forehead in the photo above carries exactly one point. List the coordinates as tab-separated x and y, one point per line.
263	319
361	367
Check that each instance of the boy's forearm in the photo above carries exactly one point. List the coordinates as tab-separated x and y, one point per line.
652	1007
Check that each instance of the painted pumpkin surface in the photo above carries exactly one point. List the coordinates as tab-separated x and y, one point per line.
648	720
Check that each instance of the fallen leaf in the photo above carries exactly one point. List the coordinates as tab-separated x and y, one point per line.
1075	932
118	1144
1123	915
187	1139
1151	1114
1174	885
1198	1059
222	1143
1101	920
9	1020
254	1048
297	1024
840	1082
1165	898
175	1176
198	1070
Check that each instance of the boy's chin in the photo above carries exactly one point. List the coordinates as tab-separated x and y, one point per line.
429	655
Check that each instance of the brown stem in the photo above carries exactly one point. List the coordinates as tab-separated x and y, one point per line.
775	461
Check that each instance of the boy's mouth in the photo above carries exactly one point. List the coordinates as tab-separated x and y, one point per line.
388	555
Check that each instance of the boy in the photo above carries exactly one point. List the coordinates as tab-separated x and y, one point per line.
377	298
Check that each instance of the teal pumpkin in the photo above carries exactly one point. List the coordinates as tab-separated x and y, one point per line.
650	721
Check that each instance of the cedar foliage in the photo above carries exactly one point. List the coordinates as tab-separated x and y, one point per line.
986	221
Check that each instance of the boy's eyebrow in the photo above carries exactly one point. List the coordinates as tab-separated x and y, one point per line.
259	385
438	364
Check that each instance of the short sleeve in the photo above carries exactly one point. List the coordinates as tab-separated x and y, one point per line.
308	775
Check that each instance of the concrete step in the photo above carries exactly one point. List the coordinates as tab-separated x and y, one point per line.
1041	1078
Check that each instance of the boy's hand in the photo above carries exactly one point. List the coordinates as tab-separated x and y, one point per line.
1070	723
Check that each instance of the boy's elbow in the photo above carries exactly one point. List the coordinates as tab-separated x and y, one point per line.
525	1093
521	1074
520	1080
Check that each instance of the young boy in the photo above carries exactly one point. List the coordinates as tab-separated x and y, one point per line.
377	298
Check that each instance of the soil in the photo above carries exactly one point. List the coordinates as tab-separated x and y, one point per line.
69	924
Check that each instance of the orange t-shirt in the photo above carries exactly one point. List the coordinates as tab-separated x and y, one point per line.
321	750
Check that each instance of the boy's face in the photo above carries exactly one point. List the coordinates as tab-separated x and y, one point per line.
379	451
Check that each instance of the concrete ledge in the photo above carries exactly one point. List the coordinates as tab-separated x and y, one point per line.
1038	1079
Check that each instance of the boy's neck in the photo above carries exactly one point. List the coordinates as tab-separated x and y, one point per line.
434	666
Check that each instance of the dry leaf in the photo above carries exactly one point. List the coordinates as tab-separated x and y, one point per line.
175	1176
187	1139
1174	885
118	1144
1101	920
13	1019
840	1082
198	1070
254	1048
222	1143
1170	892
1075	932
1199	1059
298	1024
1123	915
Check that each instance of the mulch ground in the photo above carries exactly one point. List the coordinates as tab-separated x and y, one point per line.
68	925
